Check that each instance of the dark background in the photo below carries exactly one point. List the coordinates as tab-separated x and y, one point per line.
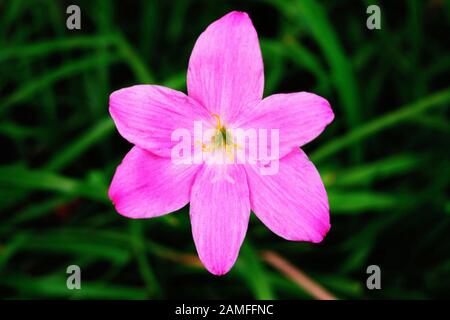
384	159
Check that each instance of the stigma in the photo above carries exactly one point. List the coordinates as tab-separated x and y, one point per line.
220	141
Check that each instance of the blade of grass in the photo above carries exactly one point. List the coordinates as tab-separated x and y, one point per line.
86	245
33	211
133	60
10	13
290	49
138	240
47	47
367	173
358	202
253	273
386	121
313	15
285	286
346	286
432	122
177	20
17	131
55	286
148	29
297	276
66	71
97	133
21	177
10	248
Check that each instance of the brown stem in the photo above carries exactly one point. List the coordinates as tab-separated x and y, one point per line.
296	275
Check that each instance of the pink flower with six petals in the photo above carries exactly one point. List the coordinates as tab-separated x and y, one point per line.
225	80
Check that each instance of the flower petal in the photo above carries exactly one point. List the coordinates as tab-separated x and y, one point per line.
220	210
226	70
292	203
300	117
146	186
147	115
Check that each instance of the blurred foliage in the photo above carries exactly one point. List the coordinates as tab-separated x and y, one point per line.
384	159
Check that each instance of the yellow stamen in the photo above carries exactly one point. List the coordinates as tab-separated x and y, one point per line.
218	120
222	138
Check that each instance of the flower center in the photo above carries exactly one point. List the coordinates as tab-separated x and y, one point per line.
222	137
220	143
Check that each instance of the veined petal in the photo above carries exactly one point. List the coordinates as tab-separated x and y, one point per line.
147	115
300	117
226	71
292	203
146	185
220	210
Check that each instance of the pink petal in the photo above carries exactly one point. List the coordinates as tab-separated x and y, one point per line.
226	70
146	186
146	115
220	210
292	203
300	117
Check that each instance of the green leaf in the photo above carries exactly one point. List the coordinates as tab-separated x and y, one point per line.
138	242
45	48
28	89
367	173
355	202
33	211
80	144
55	286
79	244
21	177
313	17
441	98
132	58
253	272
11	247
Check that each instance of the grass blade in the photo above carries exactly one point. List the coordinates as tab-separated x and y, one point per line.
441	98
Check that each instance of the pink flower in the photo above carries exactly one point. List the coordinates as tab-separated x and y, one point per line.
225	83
